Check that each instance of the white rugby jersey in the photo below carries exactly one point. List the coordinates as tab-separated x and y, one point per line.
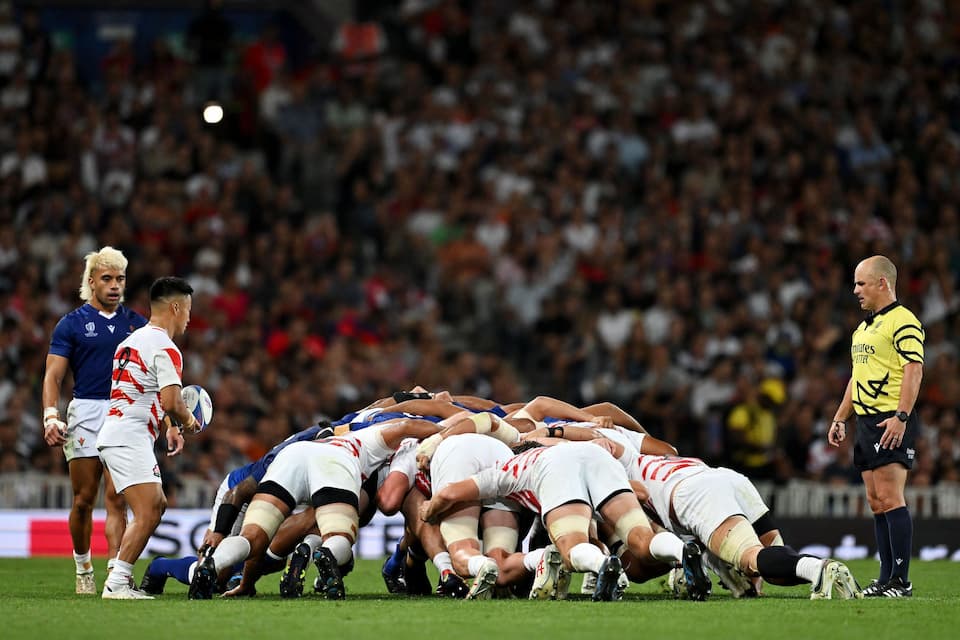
143	364
517	478
660	474
366	445
405	460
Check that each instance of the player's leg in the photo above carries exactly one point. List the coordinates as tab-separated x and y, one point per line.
116	521
338	519
500	535
267	510
421	541
459	531
888	488
85	481
631	525
299	538
147	502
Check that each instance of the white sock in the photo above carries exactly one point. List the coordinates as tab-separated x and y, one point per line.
532	558
110	563
586	557
475	564
121	574
230	551
442	562
340	547
313	541
809	569
270	554
83	562
666	547
190	570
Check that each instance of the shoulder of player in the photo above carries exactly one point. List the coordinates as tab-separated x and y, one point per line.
133	316
902	318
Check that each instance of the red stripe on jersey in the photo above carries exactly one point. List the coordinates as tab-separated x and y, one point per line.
153	411
422	481
349	445
114	411
118	394
153	429
177	361
678	467
130	356
125	376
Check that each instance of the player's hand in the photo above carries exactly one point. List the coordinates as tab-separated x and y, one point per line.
210	541
425	512
174	442
893	431
539	432
54	432
605	444
602	422
837	433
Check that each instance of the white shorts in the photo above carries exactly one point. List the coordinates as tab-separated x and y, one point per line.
459	457
131	464
303	468
585	474
702	502
84	419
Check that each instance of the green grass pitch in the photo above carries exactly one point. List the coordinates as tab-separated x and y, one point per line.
37	603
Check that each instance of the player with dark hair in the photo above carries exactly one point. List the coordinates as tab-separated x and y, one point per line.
147	380
84	341
887	353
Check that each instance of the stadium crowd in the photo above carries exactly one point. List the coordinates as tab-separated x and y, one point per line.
654	203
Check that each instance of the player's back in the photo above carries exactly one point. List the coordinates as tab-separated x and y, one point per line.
660	474
367	446
144	363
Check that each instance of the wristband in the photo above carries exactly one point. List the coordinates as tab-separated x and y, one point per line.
226	516
51	412
555	432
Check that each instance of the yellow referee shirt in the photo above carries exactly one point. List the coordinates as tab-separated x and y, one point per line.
882	345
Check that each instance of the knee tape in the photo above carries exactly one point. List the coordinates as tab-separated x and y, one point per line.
630	520
339	519
483	422
499	537
265	515
567	525
506	433
458	529
737	541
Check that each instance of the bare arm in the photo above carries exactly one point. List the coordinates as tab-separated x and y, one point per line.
53	426
544	406
838	428
392	492
443	502
172	404
394	434
910	386
620	417
575	434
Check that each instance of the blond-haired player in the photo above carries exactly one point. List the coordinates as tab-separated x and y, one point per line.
84	342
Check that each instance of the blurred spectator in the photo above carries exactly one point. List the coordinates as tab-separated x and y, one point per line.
638	202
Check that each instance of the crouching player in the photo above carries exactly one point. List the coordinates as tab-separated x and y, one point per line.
328	475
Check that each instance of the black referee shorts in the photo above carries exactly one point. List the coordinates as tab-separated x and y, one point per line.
867	453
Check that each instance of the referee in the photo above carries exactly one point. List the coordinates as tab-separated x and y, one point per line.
887	353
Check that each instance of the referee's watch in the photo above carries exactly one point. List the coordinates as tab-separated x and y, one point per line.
902	416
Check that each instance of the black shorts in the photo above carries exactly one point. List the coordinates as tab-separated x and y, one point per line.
867	453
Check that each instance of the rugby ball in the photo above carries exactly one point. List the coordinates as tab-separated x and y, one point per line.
199	404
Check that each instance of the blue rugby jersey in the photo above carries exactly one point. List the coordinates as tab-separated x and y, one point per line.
88	340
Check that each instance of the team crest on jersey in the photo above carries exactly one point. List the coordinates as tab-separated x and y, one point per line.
91	328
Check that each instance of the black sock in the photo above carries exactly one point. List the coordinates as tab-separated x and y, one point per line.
780	565
901	542
882	531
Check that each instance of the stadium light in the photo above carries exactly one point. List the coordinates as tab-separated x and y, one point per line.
212	113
